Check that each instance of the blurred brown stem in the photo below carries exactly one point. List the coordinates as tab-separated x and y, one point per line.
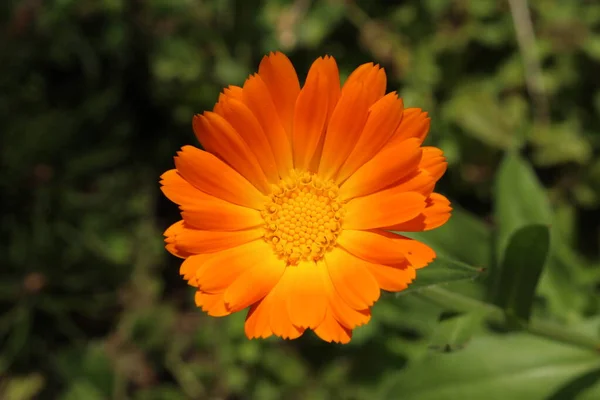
527	46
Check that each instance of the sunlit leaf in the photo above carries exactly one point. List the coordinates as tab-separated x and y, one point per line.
500	367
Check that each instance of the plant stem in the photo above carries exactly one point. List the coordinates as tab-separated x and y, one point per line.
460	303
533	72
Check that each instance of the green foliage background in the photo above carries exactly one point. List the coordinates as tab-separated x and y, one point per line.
96	96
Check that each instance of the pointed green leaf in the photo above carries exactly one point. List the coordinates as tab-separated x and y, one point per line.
521	269
521	200
442	271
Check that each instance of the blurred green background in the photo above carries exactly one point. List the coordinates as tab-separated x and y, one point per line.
96	96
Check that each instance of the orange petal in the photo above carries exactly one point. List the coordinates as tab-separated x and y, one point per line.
384	117
191	266
204	211
393	278
211	303
435	214
254	284
231	92
431	168
170	235
220	138
379	210
346	315
388	166
419	181
280	77
259	101
215	214
415	124
188	240
330	330
351	279
213	176
372	77
258	324
245	123
280	320
307	297
223	268
434	162
310	115
344	129
234	92
418	254
177	189
375	246
330	70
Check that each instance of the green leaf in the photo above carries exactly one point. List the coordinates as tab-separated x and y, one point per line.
453	333
565	281
407	323
521	269
442	271
500	367
520	199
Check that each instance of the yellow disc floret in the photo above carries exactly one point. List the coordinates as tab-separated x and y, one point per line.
303	217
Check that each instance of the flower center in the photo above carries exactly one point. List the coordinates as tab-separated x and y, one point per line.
303	217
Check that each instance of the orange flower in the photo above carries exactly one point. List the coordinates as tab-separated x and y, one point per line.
288	211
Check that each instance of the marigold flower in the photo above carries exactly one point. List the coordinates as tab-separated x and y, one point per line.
288	210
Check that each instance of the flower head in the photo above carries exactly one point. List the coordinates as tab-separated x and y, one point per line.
289	208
